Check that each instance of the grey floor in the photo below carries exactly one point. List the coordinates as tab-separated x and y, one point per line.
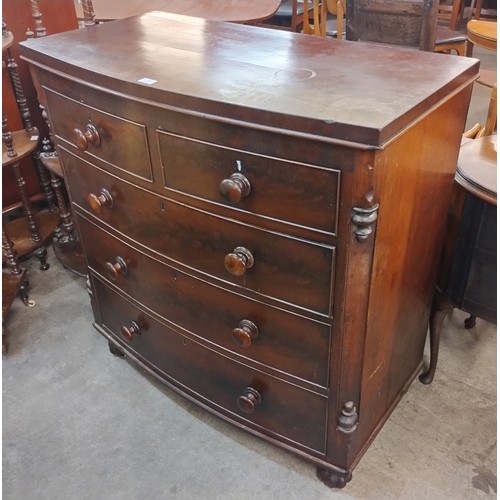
80	424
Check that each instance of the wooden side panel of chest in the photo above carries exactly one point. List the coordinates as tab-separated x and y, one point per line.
400	277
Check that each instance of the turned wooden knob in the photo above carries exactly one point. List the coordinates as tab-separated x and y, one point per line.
245	333
235	188
249	400
89	136
114	269
98	202
238	261
129	331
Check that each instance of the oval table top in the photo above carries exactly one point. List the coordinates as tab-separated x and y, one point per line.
477	168
24	142
221	10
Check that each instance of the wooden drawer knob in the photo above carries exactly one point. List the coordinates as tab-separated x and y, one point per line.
89	136
129	331
245	333
100	201
238	261
235	188
114	269
249	400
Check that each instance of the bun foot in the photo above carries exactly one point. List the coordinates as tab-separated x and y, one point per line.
333	478
470	322
115	351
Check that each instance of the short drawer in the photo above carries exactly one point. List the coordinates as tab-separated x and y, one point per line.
269	264
276	408
119	142
280	340
297	193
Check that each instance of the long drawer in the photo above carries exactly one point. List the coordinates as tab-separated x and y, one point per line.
288	269
262	402
283	341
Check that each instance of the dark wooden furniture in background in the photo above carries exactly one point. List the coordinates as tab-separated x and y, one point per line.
411	23
451	11
28	233
66	240
289	16
13	283
261	227
468	269
46	188
59	16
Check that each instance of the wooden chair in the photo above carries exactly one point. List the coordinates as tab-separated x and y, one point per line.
477	12
337	8
448	40
289	16
410	23
321	10
315	24
451	12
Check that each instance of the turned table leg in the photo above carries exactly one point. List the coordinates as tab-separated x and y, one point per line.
440	308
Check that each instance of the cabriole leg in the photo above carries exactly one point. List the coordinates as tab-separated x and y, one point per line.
440	308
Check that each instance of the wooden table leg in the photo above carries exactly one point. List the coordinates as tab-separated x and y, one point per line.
440	308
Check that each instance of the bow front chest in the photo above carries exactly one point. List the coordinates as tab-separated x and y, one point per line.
261	214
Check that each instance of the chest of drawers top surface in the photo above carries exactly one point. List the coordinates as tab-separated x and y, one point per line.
351	91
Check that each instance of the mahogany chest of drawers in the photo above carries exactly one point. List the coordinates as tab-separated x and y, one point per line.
261	213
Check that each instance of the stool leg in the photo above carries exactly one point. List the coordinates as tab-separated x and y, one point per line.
13	264
67	223
470	47
28	211
10	253
23	293
41	254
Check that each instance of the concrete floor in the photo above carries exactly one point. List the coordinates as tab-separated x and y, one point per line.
79	423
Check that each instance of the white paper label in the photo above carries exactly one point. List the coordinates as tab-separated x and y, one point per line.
147	81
